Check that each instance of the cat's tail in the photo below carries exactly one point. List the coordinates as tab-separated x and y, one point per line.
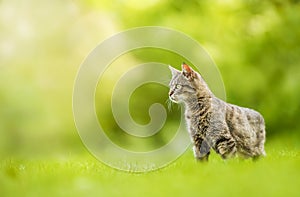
261	137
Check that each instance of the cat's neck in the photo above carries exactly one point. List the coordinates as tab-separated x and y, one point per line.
199	101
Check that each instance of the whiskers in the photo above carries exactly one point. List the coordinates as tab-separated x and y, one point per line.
169	104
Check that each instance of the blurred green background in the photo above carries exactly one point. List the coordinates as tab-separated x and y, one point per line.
255	44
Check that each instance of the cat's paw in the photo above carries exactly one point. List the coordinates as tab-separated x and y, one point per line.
203	158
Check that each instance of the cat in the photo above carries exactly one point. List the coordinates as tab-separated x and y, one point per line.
228	129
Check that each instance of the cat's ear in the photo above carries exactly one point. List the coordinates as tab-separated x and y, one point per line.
188	71
174	71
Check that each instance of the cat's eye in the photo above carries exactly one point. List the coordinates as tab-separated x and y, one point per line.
178	86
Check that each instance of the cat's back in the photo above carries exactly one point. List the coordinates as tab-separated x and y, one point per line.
235	113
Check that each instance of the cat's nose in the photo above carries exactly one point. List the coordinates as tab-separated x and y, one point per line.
171	92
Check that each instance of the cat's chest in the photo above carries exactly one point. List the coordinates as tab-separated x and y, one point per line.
191	121
197	123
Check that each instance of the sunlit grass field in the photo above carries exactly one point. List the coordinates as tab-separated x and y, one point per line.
276	175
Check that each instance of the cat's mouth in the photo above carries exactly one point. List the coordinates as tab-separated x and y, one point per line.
173	99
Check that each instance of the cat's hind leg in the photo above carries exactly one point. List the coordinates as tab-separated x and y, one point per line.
226	147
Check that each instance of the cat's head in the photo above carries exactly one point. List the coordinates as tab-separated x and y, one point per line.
184	84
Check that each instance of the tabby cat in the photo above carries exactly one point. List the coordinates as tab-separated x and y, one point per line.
212	123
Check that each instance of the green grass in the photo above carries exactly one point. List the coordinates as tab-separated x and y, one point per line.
276	175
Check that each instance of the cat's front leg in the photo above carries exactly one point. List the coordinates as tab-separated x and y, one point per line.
201	149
